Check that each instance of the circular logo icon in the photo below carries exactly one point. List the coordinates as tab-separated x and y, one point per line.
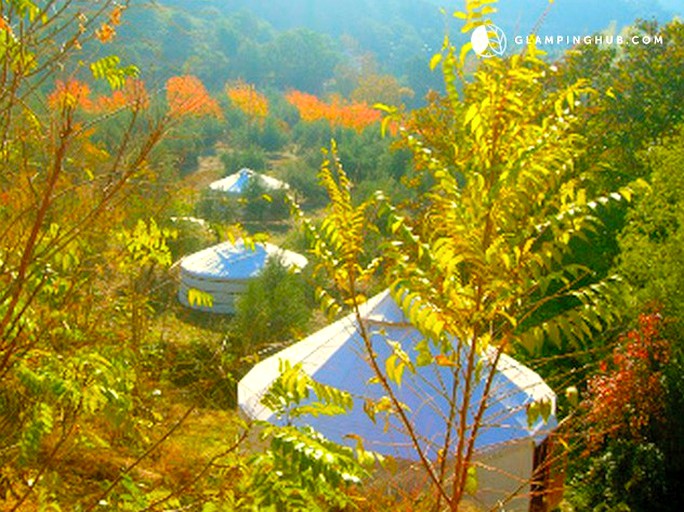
488	41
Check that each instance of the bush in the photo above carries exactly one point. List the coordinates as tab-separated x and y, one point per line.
206	371
628	476
302	177
192	235
264	205
274	308
253	157
217	206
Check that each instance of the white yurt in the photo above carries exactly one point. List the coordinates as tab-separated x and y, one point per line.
507	444
237	183
224	270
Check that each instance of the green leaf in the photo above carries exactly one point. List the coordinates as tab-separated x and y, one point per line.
27	7
471	484
109	68
533	412
572	395
424	357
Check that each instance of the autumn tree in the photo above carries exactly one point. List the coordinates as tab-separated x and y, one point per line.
377	88
250	101
187	96
624	427
337	112
70	196
475	258
650	260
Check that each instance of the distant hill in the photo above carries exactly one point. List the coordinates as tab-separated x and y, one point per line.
336	17
300	43
577	17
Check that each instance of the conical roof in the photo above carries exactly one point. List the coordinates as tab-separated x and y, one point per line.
235	261
237	183
336	356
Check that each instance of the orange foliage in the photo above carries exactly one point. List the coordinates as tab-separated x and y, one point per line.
338	112
310	107
69	95
249	100
133	95
105	33
187	96
115	16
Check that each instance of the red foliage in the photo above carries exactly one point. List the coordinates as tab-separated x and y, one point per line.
187	96
627	398
69	95
133	95
338	112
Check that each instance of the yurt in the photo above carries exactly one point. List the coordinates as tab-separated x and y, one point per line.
507	444
237	183
224	270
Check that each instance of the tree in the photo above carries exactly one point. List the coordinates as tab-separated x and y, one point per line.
68	188
473	260
301	59
274	308
187	96
251	102
640	102
623	425
653	239
650	260
376	88
337	112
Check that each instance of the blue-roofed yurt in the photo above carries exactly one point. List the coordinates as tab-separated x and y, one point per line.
506	445
237	183
223	272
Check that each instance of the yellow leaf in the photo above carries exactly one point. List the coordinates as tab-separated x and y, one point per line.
435	60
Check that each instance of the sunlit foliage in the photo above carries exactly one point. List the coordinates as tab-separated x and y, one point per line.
248	100
626	399
134	95
187	96
69	95
337	112
484	249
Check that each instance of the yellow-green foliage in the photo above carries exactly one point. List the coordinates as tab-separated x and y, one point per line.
475	258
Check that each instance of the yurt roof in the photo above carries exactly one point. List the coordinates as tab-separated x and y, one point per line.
237	183
335	356
192	220
235	261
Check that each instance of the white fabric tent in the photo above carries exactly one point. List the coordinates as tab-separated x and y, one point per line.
224	270
336	356
237	183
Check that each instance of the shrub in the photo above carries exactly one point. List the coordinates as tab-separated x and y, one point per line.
273	309
627	476
252	157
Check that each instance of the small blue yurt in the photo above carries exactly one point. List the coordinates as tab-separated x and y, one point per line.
224	270
237	183
507	441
